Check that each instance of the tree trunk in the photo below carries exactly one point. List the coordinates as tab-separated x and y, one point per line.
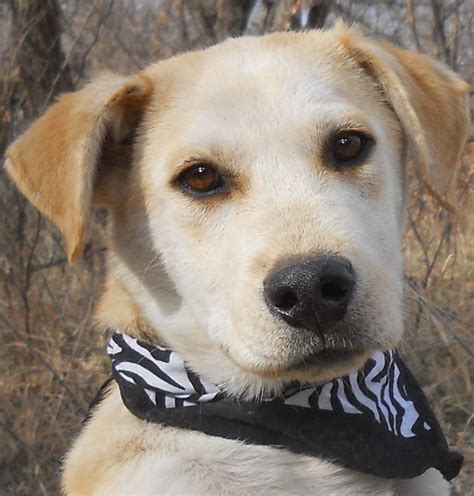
38	65
309	14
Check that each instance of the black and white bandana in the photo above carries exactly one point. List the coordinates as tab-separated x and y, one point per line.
376	420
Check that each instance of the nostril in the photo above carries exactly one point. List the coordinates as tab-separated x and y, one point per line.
335	290
284	300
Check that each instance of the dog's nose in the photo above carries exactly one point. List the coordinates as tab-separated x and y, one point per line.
313	293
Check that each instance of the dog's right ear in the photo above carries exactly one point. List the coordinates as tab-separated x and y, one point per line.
56	161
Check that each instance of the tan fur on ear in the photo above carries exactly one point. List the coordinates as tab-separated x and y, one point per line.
430	100
55	161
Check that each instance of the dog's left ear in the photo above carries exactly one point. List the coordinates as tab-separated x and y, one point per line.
430	101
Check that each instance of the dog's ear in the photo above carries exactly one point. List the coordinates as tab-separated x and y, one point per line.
56	162
430	101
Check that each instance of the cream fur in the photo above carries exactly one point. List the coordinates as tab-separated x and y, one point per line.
189	272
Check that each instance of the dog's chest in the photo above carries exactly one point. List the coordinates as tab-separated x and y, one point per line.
207	465
117	453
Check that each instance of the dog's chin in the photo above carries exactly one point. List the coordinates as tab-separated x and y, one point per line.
315	367
324	365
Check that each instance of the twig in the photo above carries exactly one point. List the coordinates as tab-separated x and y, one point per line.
441	317
68	56
25	444
412	23
94	41
45	363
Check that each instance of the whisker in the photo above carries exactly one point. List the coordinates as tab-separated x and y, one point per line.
150	266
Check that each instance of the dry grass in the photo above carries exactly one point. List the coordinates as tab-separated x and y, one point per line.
51	370
51	362
439	338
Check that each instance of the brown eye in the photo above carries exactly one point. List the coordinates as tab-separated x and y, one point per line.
201	178
350	147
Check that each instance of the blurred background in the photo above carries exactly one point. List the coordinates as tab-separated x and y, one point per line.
51	360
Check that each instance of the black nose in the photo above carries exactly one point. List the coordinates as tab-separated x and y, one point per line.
312	293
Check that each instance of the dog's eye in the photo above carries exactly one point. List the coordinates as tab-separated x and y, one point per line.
201	179
349	147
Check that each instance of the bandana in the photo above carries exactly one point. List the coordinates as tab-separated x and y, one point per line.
376	421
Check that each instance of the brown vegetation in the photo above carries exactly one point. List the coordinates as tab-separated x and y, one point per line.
51	361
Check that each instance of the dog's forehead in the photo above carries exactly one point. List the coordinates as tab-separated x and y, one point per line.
266	93
255	88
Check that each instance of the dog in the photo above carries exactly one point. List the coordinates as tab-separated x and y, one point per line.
230	173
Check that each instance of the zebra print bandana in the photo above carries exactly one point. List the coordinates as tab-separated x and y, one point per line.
376	420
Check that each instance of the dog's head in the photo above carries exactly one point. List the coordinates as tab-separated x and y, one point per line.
257	191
